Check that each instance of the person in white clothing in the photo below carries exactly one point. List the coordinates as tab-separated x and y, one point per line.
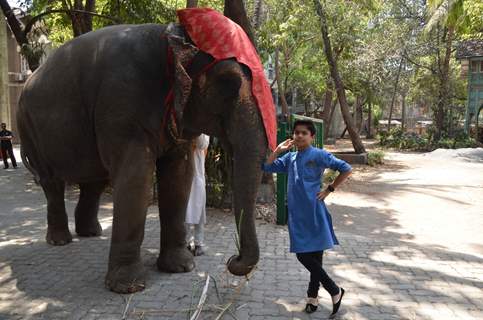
196	210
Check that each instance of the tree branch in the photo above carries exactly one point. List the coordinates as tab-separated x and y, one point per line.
418	64
33	20
13	22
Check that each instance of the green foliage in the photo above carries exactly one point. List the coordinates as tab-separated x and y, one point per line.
376	114
398	139
329	176
59	25
459	141
375	158
218	168
465	16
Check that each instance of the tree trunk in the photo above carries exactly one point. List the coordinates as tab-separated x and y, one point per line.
443	103
257	14
331	116
359	114
191	3
403	116
82	22
235	10
281	89
90	7
369	121
328	97
339	85
394	94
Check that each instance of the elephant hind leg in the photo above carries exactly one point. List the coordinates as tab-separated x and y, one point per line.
57	224
86	222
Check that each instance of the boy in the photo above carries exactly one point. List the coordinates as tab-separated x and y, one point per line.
309	222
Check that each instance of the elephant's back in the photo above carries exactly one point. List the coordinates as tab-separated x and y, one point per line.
110	48
57	107
72	75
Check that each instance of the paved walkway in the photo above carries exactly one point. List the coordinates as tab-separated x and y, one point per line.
411	248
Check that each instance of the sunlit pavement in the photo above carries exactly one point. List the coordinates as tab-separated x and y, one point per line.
411	248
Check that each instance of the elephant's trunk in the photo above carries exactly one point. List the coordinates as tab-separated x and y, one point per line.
249	148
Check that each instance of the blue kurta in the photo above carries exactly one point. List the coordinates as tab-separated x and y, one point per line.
309	221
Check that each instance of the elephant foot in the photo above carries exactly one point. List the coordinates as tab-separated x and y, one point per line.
93	229
238	267
175	260
126	278
58	237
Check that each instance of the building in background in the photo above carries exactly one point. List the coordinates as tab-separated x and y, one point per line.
14	71
470	54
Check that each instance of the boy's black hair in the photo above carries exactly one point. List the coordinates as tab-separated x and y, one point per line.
307	123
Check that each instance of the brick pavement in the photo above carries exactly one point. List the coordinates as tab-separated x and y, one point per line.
386	273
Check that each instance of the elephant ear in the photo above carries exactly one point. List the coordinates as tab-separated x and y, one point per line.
183	53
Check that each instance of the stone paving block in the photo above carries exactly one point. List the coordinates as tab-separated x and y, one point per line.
385	277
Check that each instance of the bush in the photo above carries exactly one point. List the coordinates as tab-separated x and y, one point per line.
375	158
398	139
411	141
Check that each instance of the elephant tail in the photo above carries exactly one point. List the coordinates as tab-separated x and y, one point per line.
28	165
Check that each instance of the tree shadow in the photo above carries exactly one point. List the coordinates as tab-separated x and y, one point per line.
386	273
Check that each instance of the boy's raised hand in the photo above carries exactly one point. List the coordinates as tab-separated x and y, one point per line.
284	146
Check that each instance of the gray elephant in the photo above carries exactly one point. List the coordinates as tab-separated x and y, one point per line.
96	111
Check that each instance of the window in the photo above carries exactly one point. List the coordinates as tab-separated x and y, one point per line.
24	66
474	66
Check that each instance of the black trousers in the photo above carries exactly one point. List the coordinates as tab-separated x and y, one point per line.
8	150
313	262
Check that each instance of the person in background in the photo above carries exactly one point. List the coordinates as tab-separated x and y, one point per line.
7	148
196	210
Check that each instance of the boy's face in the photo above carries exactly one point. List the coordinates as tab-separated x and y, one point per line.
302	136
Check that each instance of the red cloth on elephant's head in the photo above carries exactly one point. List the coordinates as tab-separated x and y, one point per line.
222	38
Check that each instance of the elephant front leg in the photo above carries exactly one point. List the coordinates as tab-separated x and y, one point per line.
174	175
132	181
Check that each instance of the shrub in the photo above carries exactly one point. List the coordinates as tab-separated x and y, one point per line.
375	157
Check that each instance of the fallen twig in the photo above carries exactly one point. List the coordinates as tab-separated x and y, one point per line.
127	307
202	299
224	310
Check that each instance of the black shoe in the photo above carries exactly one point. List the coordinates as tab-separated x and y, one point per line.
311	305
336	306
310	308
198	251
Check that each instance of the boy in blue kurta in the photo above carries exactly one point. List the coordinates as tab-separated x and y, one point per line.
309	222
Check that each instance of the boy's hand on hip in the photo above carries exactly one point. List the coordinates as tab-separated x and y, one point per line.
322	195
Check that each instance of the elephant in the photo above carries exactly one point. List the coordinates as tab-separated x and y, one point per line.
95	113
